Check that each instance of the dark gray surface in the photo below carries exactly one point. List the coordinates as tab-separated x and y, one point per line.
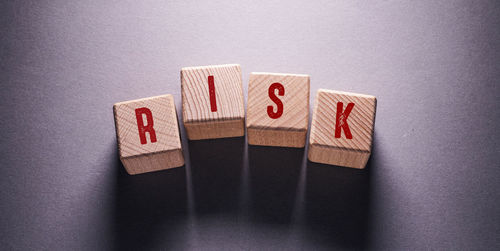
433	181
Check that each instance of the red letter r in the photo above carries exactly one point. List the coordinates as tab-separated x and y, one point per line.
145	128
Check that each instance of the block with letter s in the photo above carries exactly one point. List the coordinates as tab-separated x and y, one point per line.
278	109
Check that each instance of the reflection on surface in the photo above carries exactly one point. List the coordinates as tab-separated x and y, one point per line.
216	167
149	208
291	202
274	175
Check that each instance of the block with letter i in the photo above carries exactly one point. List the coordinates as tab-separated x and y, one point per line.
278	109
342	128
148	134
212	101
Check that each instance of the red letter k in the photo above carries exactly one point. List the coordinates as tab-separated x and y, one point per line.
341	121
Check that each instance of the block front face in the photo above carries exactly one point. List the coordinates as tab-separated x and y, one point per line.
278	109
342	121
212	101
148	134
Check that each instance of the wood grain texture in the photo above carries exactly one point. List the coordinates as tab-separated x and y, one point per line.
165	153
324	147
290	129
199	120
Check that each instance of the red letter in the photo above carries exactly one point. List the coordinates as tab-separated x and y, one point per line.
211	91
341	121
272	95
142	128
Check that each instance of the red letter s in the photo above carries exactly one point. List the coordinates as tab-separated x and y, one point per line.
279	104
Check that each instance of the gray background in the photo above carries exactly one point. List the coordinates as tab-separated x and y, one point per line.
432	181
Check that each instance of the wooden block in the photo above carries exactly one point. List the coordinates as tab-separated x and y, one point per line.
278	109
212	101
148	134
342	128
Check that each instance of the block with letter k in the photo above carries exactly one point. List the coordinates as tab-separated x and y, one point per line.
342	128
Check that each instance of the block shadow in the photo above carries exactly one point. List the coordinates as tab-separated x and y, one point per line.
337	204
216	167
149	208
274	174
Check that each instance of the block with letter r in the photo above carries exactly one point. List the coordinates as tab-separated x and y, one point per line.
148	136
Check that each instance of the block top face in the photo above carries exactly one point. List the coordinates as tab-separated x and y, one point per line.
165	125
294	101
196	96
360	120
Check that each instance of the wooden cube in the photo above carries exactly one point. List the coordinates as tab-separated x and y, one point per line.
148	134
212	101
342	128
278	109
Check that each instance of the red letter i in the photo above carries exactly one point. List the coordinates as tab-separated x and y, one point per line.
211	91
